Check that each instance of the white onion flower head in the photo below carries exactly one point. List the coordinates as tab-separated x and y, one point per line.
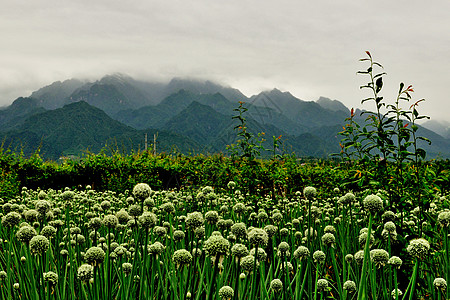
39	244
85	272
440	284
328	239
239	250
110	221
194	219
418	248
226	292
373	203
390	226
147	219
25	234
309	192
350	286
276	285
396	291
301	252
141	191
395	261
51	278
247	263
127	268
261	255
322	285
239	230
94	256
258	237
216	246
182	257
444	218
319	256
379	257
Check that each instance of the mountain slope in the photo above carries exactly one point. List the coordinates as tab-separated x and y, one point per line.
18	111
204	87
199	122
156	116
79	126
333	105
304	113
440	127
54	95
104	96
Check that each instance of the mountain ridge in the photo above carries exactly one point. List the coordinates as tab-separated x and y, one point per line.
198	113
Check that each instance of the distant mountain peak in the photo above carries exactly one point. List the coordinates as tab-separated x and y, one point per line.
120	77
333	105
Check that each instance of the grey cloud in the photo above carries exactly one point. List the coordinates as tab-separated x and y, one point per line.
310	48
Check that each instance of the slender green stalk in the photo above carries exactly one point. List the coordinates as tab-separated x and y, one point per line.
255	273
365	268
213	278
336	271
413	280
317	279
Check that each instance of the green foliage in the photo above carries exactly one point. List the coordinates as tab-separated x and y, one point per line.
387	143
247	145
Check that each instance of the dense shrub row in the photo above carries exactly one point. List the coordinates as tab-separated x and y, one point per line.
119	172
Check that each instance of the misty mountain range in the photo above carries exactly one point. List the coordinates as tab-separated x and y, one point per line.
66	118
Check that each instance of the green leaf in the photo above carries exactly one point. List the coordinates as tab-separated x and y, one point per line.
379	84
402	85
424	139
422	153
377	64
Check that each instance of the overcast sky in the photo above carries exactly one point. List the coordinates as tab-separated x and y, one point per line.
310	48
